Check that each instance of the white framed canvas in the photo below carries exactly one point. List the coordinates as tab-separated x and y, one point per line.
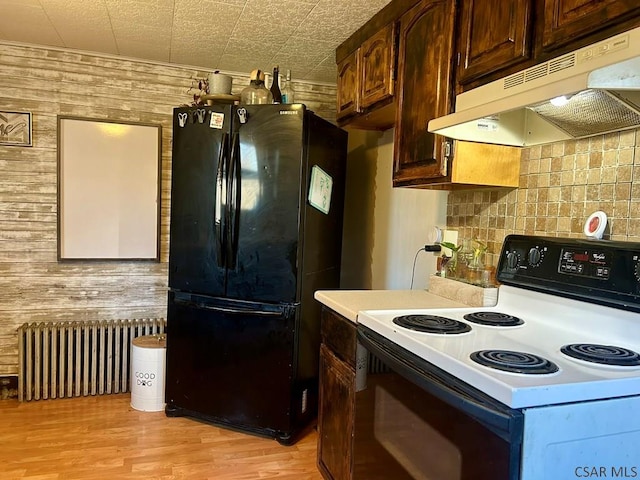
108	189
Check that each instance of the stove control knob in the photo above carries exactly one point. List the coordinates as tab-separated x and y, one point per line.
535	256
513	260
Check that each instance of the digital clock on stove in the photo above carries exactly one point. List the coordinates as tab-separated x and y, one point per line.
585	263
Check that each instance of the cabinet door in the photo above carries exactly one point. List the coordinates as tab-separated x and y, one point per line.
377	63
493	38
569	20
335	417
348	96
424	80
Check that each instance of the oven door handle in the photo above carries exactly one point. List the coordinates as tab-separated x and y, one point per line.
500	419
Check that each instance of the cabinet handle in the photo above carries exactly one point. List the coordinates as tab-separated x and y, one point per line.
447	148
446	155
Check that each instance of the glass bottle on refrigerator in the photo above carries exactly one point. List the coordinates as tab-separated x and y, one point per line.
275	86
256	93
287	89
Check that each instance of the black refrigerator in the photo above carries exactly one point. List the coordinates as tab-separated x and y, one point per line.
257	196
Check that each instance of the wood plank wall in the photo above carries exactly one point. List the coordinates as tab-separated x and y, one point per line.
34	287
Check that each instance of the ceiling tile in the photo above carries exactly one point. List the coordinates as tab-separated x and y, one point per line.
324	74
238	3
148	5
299	65
272	14
331	17
326	71
198	55
75	13
315	50
274	37
206	12
157	51
188	26
142	33
141	21
232	35
27	22
81	25
31	33
237	63
243	46
91	39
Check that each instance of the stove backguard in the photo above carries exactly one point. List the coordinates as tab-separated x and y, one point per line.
596	271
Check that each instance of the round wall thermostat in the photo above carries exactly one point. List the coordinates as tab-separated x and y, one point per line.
595	225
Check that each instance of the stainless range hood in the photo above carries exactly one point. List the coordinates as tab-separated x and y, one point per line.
593	90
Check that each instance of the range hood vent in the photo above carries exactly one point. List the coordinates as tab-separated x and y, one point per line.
590	112
598	85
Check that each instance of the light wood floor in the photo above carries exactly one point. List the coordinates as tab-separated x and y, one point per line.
102	437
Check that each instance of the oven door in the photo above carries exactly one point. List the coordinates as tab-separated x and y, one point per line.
415	421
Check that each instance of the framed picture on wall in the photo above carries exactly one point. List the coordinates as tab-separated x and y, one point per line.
108	189
15	128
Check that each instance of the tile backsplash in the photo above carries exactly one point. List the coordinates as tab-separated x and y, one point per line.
561	184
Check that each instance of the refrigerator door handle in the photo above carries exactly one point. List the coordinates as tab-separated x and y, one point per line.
221	194
233	202
231	310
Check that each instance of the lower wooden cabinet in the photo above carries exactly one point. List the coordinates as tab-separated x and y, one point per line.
336	410
336	417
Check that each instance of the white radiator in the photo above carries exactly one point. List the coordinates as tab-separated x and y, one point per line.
70	359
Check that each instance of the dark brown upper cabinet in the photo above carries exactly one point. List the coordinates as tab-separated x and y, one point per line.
496	42
378	55
420	40
493	37
424	91
366	82
567	21
348	97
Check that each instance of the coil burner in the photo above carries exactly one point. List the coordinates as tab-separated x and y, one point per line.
602	354
494	319
432	324
514	362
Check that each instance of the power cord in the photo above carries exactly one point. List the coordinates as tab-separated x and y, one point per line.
426	248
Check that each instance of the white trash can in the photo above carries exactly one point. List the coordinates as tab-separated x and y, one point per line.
148	360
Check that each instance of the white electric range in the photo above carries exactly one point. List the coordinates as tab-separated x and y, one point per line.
555	363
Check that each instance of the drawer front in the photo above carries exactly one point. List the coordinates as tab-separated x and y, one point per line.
339	334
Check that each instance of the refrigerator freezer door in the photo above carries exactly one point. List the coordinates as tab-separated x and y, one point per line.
230	362
271	179
197	208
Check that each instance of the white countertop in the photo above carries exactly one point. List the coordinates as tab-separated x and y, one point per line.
349	302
